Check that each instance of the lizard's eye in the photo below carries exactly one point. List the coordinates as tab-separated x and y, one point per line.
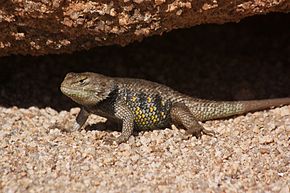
82	81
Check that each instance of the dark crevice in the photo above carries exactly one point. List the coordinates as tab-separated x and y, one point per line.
223	62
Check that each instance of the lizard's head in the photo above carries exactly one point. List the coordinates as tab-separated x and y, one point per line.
87	88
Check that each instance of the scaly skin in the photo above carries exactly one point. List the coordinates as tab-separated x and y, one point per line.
141	104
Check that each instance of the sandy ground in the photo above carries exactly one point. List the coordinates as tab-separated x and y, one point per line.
249	60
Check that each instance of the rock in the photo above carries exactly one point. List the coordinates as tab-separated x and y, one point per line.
57	26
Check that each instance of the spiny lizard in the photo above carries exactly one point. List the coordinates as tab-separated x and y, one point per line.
141	104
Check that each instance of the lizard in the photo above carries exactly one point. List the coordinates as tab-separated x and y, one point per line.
142	105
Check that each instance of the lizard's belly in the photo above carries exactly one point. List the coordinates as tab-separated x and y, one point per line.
149	112
151	120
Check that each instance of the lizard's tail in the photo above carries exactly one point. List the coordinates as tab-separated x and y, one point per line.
264	104
208	110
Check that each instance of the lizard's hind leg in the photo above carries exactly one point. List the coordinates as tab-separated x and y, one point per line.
181	116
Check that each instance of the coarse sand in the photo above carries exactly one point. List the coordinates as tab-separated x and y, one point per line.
250	153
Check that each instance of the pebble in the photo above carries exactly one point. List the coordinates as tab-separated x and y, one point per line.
37	158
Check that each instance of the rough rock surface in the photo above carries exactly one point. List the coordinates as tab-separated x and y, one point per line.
55	26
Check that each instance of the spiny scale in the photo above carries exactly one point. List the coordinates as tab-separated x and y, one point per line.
150	110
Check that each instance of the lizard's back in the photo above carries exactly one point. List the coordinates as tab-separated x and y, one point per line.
144	95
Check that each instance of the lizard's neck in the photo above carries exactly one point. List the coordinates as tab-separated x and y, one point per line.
107	104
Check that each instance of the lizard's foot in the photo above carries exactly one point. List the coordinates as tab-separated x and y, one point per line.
187	135
181	115
75	127
198	131
209	132
69	129
109	140
184	136
117	140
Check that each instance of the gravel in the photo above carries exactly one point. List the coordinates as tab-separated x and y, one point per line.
249	154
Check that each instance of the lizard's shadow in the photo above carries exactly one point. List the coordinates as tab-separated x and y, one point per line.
111	127
102	126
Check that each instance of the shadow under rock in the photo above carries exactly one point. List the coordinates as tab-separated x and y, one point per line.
222	62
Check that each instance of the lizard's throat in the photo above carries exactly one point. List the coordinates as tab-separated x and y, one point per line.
82	97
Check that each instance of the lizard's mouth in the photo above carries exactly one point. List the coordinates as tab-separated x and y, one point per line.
72	93
69	91
65	90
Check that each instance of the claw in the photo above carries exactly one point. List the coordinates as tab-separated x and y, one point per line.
208	132
76	127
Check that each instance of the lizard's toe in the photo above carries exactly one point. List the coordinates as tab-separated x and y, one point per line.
197	132
109	140
117	140
75	127
121	139
208	132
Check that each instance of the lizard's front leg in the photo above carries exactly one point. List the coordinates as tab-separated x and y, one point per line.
181	116
81	119
124	114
